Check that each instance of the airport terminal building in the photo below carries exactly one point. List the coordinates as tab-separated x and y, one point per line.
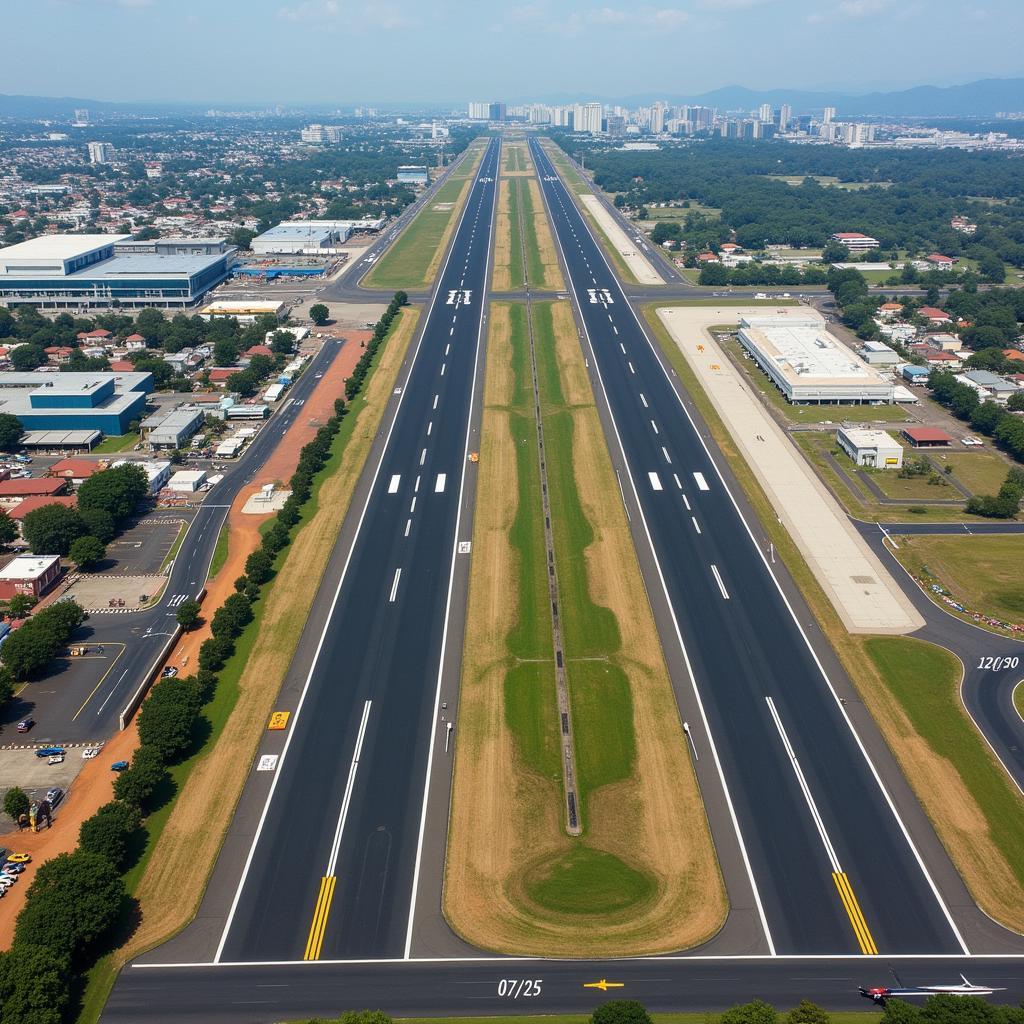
810	366
83	272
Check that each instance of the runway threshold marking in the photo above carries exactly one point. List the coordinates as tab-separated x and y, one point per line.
315	942
856	915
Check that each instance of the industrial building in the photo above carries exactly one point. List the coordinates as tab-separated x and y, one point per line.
171	428
310	236
927	437
245	311
81	272
108	402
808	365
855	241
877	353
875	448
157	473
413	174
29	574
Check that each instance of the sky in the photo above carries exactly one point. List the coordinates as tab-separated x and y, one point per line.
449	51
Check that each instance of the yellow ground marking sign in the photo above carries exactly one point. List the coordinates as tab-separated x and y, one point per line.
317	929
279	720
860	926
603	985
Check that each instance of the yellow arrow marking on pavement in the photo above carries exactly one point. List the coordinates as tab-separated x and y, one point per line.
317	929
856	915
603	985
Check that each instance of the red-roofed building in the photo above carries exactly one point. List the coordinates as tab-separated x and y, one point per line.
855	241
98	335
135	337
23	508
943	360
1014	354
75	470
933	315
58	353
938	260
259	350
121	366
926	437
707	257
219	375
13	491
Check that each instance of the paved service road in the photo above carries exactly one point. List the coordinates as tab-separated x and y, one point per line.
330	872
834	869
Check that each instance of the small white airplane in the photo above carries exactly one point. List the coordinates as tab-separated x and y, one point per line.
881	993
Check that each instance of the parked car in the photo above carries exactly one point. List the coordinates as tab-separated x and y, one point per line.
13	869
169	672
56	758
17	858
89	753
55	795
49	751
119	766
26	723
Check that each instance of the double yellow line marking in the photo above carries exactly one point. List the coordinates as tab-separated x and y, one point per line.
860	926
315	942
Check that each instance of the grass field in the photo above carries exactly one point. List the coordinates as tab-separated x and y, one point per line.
966	817
829	181
1018	699
983	573
841	1017
507	272
569	174
642	877
181	845
414	259
981	472
113	443
220	552
907	488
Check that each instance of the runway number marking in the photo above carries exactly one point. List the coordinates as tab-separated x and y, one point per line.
515	988
267	763
279	721
997	664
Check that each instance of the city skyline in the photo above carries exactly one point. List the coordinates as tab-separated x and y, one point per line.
336	51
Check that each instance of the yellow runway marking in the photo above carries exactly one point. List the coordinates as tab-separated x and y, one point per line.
102	677
860	926
317	929
603	985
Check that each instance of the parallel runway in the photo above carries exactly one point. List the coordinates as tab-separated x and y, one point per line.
331	870
834	870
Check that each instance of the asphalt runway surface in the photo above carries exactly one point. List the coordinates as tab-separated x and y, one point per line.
331	869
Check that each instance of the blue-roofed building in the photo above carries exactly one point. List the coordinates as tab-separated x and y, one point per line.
82	272
915	374
108	402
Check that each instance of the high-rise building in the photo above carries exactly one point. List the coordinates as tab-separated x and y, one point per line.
479	111
81	118
830	115
785	116
616	126
318	134
587	117
100	152
764	112
496	111
657	118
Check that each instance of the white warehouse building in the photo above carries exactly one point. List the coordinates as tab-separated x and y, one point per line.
870	447
297	236
809	365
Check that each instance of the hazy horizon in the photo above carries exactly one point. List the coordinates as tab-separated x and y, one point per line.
341	52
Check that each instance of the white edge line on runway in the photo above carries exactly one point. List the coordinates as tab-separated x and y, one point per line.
332	861
337	594
661	576
451	576
670	958
778	586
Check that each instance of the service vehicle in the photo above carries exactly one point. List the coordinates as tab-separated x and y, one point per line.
49	751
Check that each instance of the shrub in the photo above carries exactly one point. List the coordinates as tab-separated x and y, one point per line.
168	715
15	803
108	831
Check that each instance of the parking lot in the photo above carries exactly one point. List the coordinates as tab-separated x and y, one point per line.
142	549
35	776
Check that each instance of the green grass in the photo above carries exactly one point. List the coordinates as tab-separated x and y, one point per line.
906	488
587	881
981	472
570	175
840	1017
220	552
1018	699
406	263
175	547
925	680
517	276
114	443
534	266
829	181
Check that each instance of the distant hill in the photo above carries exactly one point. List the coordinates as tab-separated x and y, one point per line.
986	97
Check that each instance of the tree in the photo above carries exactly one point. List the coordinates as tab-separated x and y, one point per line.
756	1012
241	237
108	831
259	566
364	1017
232	616
72	902
146	773
98	523
116	491
11	432
621	1011
282	343
319	314
87	552
806	1012
835	252
1015	403
26	358
52	529
35	985
167	717
8	529
188	615
15	803
20	605
225	352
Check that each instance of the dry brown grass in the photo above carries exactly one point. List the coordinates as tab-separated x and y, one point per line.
172	885
545	242
506	820
502	276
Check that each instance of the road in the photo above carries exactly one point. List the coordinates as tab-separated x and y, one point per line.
148	633
330	871
827	854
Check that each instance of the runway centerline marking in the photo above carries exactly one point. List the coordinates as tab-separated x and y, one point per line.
696	525
394	586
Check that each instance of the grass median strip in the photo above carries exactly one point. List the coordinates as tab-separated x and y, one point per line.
963	789
643	878
185	836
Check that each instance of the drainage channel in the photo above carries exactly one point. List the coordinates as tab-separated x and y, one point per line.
572	803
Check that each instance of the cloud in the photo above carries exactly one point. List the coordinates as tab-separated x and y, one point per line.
850	10
580	21
356	19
